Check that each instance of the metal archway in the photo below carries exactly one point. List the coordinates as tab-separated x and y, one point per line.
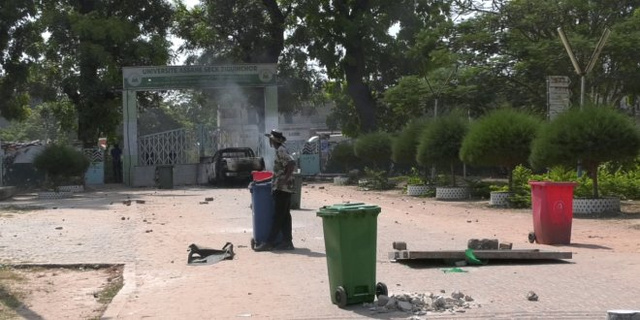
190	77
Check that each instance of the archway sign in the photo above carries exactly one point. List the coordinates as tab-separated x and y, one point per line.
191	77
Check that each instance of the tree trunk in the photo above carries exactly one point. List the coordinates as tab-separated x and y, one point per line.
276	31
354	64
510	177
358	90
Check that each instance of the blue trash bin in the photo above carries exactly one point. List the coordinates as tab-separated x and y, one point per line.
263	212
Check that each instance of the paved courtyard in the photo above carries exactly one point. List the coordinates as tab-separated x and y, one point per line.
150	237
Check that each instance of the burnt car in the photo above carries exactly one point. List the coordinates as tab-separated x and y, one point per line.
233	165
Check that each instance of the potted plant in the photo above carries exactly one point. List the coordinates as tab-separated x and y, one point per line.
417	185
62	165
403	153
590	136
501	138
440	145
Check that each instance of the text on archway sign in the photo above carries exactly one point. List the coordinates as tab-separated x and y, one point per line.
177	77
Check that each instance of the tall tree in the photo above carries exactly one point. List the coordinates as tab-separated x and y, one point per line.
89	43
248	31
352	40
19	39
516	43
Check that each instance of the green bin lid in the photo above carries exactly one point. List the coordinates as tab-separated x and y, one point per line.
348	208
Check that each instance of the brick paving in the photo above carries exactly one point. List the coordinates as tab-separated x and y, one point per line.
151	239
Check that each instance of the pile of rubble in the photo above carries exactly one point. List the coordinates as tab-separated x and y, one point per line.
422	303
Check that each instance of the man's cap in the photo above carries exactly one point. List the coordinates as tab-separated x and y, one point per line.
276	136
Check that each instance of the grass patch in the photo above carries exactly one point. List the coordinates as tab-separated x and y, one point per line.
10	298
115	282
12	208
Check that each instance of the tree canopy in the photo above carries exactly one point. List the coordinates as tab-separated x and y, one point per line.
590	135
382	63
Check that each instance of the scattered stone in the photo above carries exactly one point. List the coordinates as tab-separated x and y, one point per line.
204	202
140	201
505	246
391	304
148	231
420	304
126	202
320	188
123	218
457	295
532	296
439	302
483	244
208	199
382	300
405	305
58	228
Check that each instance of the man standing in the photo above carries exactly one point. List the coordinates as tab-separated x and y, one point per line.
282	188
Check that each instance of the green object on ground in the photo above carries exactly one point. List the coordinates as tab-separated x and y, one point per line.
350	234
454	270
471	258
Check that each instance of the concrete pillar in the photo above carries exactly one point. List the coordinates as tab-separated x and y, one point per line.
270	122
130	136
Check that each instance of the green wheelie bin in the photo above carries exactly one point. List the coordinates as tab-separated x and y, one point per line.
350	234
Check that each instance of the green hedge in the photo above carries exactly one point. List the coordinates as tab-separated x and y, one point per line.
61	163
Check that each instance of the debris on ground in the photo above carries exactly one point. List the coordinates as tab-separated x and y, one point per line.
532	296
420	304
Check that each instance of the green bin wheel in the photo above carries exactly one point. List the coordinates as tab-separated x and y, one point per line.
253	244
532	237
400	245
341	297
381	289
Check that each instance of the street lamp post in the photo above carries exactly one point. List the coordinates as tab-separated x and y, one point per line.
592	60
590	65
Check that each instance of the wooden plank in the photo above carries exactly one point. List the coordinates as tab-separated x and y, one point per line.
533	254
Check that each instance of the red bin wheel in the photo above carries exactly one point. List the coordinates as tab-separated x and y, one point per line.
532	237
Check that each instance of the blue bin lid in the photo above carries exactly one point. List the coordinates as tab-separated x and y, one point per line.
348	208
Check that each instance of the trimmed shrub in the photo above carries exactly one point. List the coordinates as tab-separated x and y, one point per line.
374	149
501	138
405	146
61	163
440	142
343	158
591	135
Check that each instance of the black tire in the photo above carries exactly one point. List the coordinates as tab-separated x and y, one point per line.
253	244
220	180
532	237
381	289
341	297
